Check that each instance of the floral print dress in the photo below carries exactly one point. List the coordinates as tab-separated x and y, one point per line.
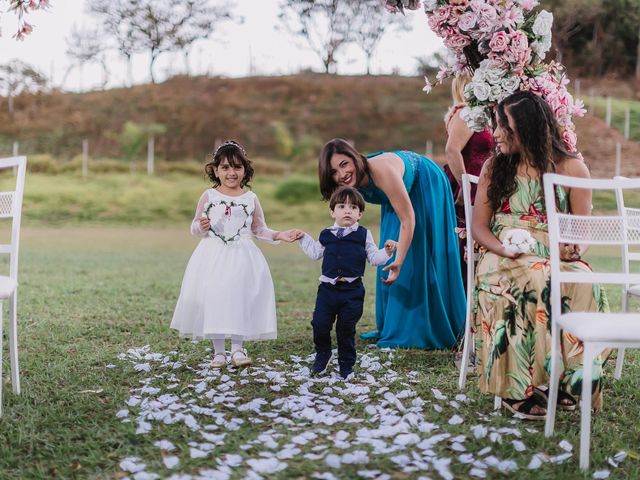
512	307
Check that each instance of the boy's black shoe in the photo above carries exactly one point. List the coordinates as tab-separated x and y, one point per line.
345	372
321	362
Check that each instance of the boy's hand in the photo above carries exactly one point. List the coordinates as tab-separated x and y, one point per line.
290	235
390	246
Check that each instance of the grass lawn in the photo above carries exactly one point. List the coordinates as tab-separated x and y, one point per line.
89	294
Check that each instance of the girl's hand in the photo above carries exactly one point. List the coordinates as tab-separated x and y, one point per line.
290	235
394	271
390	246
204	224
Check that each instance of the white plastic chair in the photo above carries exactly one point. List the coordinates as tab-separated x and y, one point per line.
596	330
11	207
467	181
632	217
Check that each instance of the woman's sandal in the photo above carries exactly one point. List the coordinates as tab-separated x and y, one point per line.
565	400
523	408
239	359
219	361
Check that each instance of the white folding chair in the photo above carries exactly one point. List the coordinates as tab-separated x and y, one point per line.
467	180
11	207
597	331
632	217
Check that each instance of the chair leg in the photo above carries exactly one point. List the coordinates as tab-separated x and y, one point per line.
618	372
1	341
468	340
585	409
554	381
13	343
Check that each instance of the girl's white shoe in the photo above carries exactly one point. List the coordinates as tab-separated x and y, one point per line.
240	359
219	361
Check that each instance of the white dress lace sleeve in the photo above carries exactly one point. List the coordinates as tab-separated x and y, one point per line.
259	225
195	224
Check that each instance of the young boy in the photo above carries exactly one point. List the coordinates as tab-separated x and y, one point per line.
344	249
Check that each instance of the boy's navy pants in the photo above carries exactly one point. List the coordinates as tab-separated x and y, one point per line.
342	301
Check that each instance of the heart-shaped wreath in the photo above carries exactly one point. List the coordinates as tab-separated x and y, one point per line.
228	206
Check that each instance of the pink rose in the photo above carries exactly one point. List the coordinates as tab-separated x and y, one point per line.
570	140
499	41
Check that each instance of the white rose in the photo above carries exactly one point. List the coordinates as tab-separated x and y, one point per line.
541	47
542	24
430	5
495	75
496	93
510	84
476	118
491	71
481	91
518	240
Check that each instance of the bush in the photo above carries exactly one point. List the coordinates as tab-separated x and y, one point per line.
296	191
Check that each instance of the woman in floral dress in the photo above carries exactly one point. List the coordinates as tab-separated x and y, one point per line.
512	310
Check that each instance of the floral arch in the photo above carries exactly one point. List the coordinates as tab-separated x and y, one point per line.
502	44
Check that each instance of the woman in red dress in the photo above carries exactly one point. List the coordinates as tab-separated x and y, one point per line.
465	152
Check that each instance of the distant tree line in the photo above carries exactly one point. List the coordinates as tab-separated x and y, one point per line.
597	37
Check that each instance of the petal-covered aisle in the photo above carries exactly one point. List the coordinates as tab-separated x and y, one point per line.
219	424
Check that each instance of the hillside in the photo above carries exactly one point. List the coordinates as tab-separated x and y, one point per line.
376	112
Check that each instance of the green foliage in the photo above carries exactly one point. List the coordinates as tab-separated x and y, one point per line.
297	191
134	137
596	37
293	150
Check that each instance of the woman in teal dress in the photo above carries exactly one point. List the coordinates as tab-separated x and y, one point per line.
420	300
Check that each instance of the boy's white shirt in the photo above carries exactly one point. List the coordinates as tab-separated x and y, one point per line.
315	251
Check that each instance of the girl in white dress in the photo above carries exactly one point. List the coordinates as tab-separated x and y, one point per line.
227	291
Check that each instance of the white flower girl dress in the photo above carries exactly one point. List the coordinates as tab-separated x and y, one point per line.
227	287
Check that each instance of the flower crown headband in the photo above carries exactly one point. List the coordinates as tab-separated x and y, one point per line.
228	143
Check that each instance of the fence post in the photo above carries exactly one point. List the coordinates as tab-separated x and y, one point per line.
85	157
150	155
14	153
577	88
429	149
627	122
618	158
607	117
592	102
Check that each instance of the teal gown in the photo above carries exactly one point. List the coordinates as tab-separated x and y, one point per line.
425	306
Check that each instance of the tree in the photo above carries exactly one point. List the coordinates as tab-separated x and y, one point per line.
324	24
86	46
570	19
370	22
134	137
116	19
18	77
158	26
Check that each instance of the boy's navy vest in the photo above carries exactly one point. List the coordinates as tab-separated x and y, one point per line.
346	256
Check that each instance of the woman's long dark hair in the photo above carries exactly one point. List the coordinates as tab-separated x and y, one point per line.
338	145
538	136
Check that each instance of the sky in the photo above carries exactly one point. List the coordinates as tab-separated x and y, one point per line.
257	45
